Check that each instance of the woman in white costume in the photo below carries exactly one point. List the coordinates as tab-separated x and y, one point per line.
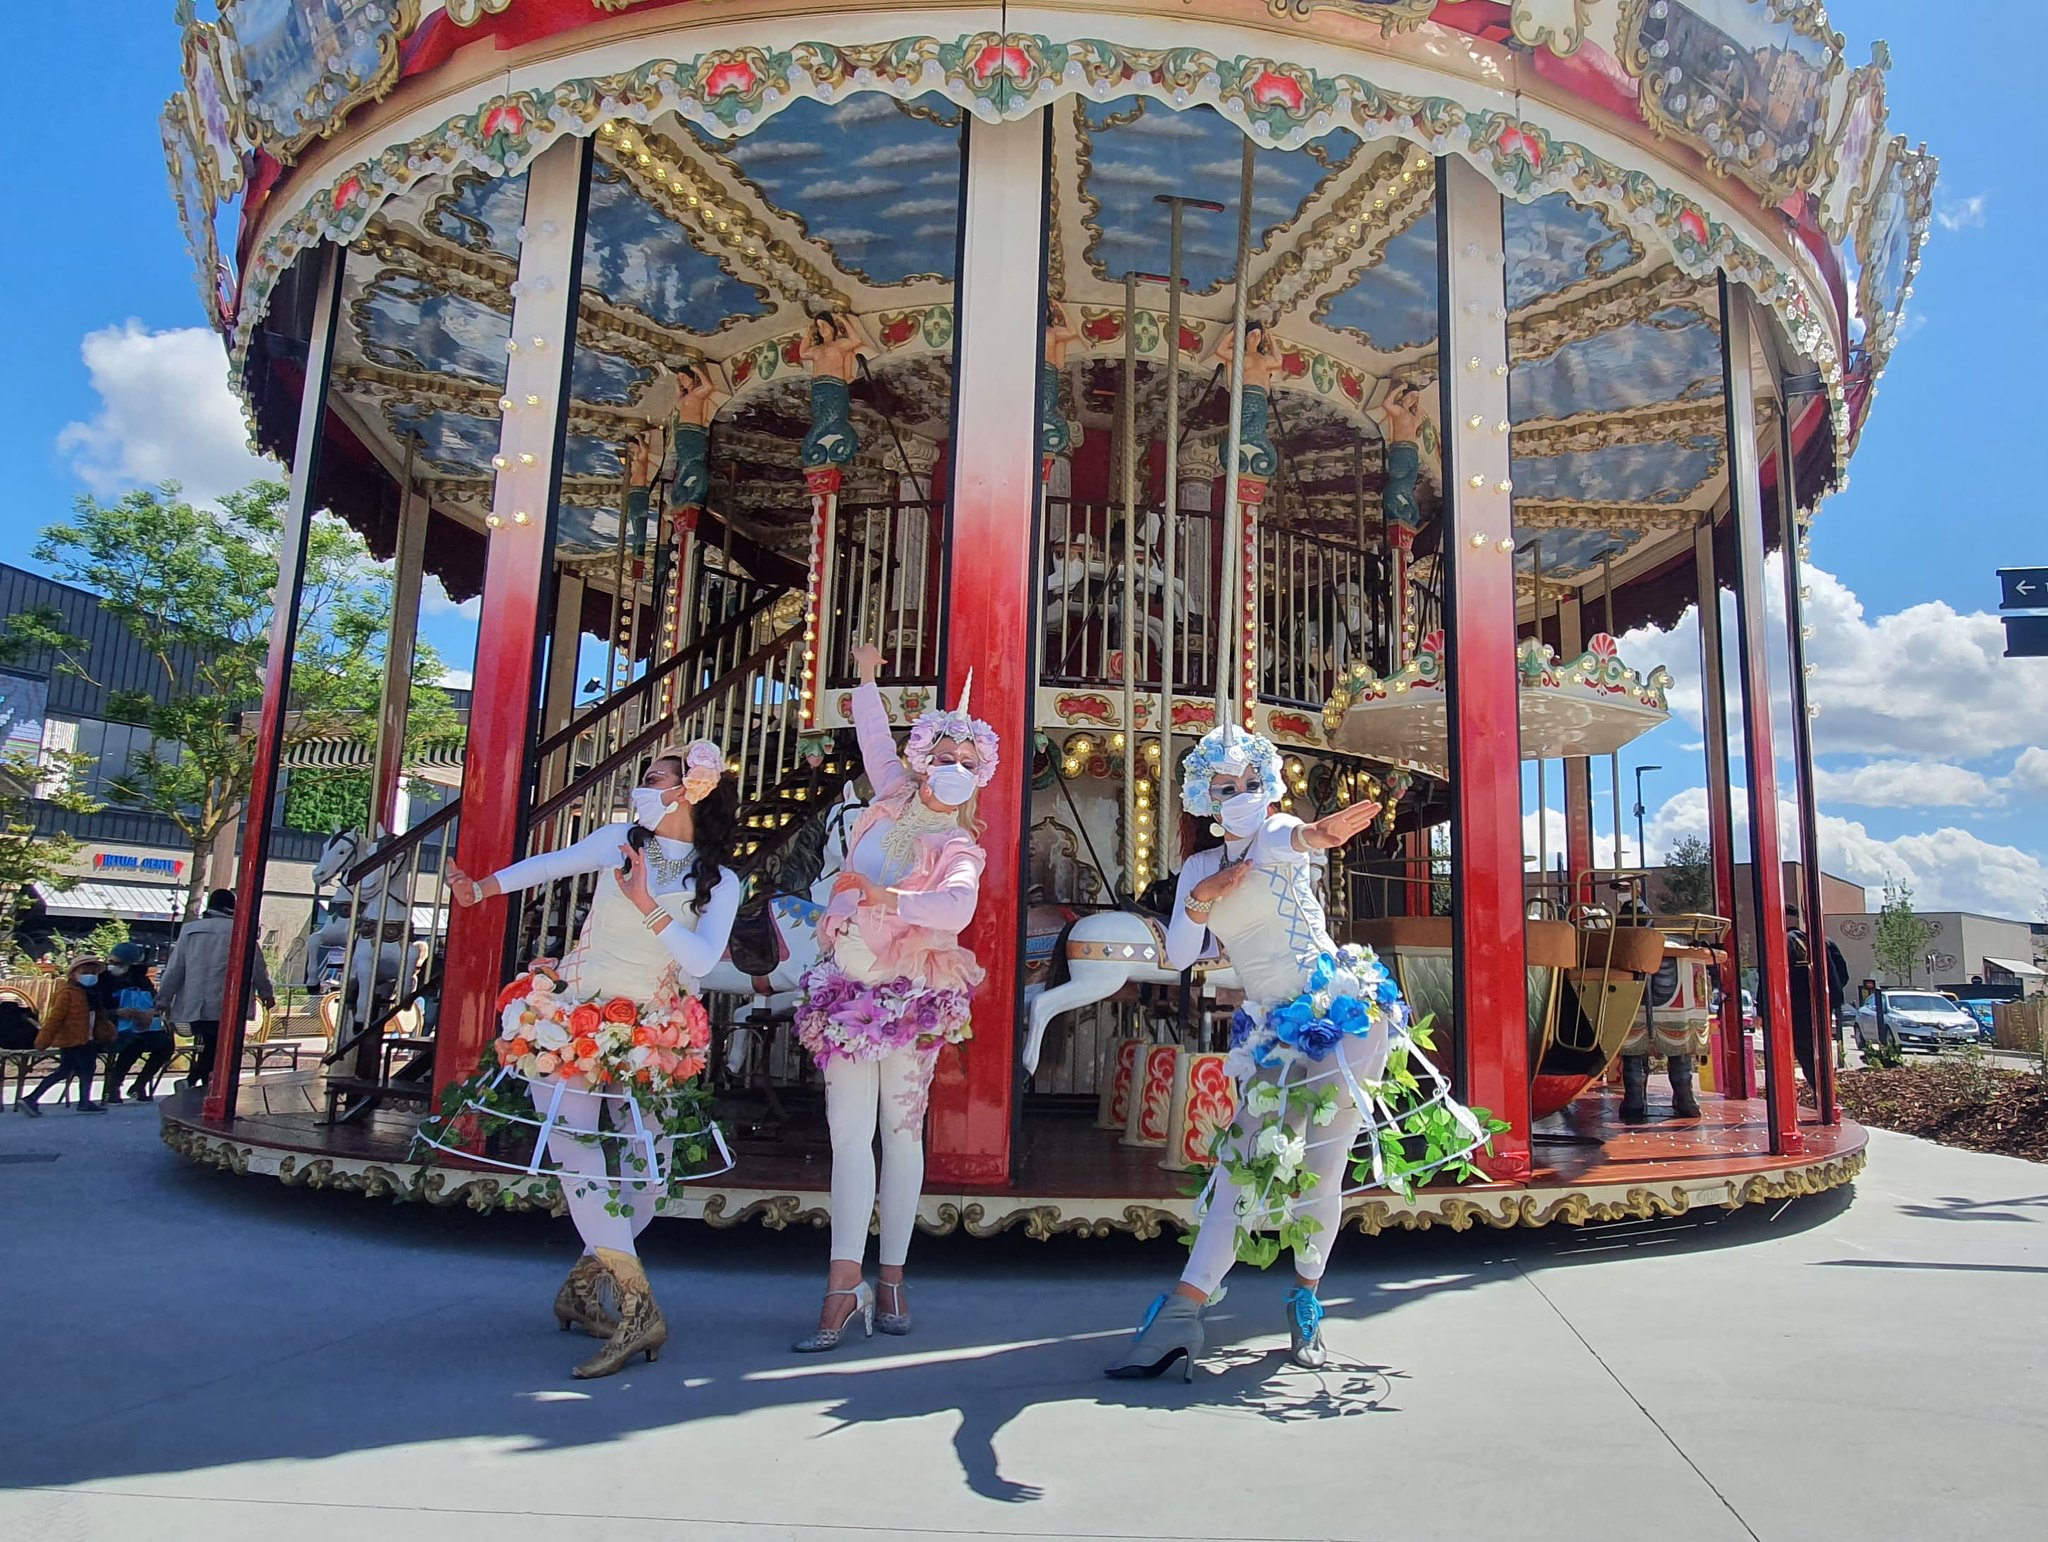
1309	1049
894	985
617	1026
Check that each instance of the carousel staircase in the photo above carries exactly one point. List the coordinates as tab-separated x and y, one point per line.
736	683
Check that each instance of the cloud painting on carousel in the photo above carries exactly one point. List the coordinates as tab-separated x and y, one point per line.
1557	242
481	214
1393	305
891	214
303	62
404	322
1573	553
1133	149
450	442
605	378
583	530
1673	355
639	259
1666	472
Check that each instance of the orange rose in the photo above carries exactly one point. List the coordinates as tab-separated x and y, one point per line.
584	1049
584	1021
520	1049
518	990
621	1010
641	1037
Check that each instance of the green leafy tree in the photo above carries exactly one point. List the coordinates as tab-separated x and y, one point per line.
105	937
1689	877
1900	942
195	587
26	858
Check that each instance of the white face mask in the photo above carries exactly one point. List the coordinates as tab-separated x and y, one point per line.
1243	814
648	808
952	785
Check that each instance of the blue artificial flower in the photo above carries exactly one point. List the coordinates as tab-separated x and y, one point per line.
1242	1027
1322	974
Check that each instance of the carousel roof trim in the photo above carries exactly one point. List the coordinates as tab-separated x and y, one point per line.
1514	135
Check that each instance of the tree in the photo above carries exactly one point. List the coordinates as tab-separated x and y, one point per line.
1901	936
26	858
1689	877
195	588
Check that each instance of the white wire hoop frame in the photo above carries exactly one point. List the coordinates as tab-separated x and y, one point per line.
637	1143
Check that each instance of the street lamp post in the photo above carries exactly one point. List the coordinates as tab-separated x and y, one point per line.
1642	849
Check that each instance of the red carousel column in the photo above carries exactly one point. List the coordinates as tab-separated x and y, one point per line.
277	685
1738	1071
991	540
497	766
1760	767
1792	544
1578	776
1481	684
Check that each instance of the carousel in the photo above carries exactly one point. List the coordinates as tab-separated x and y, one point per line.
1376	376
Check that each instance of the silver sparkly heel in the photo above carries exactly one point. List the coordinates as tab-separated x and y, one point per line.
1172	1330
895	1324
823	1340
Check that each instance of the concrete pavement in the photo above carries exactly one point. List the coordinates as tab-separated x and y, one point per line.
199	1356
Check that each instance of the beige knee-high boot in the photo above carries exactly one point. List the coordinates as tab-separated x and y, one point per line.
641	1329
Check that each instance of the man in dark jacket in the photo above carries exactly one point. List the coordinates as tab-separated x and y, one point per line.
1799	951
194	983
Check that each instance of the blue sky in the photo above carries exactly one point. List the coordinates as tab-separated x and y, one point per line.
1924	737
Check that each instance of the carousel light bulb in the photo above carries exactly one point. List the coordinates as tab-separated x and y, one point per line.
521	517
1503	486
493	521
1473	363
540	342
1501	370
532	400
1504	545
1479	540
526	457
504	404
1475	421
1501	427
511	345
500	462
1478	481
809	656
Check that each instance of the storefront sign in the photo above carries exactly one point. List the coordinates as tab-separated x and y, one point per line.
127	862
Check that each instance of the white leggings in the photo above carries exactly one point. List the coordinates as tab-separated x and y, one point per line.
593	1195
859	1095
1215	1248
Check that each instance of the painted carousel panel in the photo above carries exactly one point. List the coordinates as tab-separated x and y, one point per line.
303	65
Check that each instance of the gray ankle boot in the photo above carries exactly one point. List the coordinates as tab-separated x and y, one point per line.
1171	1331
1685	1098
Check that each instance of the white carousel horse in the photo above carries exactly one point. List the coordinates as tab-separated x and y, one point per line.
796	920
1105	951
379	955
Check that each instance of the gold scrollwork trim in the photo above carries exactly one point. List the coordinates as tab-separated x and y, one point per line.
353	90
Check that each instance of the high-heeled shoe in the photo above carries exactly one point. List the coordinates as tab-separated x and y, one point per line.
580	1301
1305	1328
641	1330
894	1323
1172	1330
821	1340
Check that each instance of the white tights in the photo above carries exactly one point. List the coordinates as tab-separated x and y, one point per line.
1215	1248
859	1095
591	1192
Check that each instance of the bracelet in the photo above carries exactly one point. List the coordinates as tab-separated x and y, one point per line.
1197	909
657	914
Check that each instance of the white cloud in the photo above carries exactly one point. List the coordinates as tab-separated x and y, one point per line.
1908	784
456	680
1962	213
2030	772
1553	832
165	414
1924	682
434	601
1948	868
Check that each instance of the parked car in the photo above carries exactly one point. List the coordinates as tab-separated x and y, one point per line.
1916	1020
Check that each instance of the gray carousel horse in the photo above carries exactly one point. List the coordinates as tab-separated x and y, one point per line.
365	921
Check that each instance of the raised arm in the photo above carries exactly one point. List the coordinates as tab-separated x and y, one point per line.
697	952
885	769
595	852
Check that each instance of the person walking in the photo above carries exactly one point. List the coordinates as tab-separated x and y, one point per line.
127	998
1799	952
72	1028
194	982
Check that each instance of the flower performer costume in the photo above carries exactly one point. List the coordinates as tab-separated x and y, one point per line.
610	1041
894	983
1327	1063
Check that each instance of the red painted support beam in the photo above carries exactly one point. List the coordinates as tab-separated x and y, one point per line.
518	580
277	686
1760	768
1481	685
1738	1071
991	546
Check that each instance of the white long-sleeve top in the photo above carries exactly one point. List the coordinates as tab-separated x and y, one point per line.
1265	926
949	904
615	953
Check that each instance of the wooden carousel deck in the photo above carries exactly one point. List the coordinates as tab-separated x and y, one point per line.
1071	1177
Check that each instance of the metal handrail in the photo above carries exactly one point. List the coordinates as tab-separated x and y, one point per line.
399	846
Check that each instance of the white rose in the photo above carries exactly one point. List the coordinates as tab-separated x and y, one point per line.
1272	1140
1319	1003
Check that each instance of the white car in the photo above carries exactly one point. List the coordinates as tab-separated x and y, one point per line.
1916	1020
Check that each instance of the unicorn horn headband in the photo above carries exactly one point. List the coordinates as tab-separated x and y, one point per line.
966	692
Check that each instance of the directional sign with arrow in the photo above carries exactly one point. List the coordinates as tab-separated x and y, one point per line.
2024	588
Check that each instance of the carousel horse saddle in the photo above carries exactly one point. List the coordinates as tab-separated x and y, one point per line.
756	946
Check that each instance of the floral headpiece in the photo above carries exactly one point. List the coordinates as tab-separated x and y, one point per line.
956	725
703	764
1228	751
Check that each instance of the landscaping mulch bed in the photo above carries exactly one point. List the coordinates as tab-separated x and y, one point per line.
1957	1103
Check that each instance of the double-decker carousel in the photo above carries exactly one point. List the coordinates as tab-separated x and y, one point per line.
1361	373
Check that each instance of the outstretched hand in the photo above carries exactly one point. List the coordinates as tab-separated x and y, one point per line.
867	662
1336	829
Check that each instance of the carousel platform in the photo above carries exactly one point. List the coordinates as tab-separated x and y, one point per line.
1071	1176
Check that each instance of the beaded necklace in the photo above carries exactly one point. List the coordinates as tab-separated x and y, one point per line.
899	841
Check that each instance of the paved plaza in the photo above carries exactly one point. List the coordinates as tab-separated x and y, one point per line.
200	1356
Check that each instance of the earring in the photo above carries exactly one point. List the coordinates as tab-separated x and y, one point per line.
1215	828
